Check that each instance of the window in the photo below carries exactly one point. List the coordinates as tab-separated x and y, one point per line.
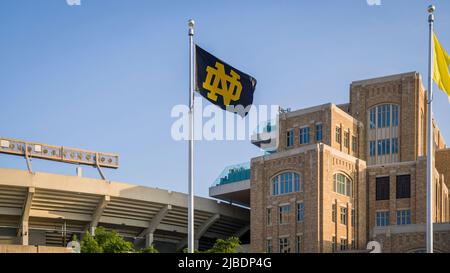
354	144
275	186
338	134
269	246
384	147
297	186
333	213
344	244
300	211
269	216
394	115
298	245
372	118
284	245
290	138
333	243
403	217
284	214
342	184
384	115
286	183
395	145
353	217
372	148
346	139
344	216
403	189
319	135
385	140
382	218
304	135
382	188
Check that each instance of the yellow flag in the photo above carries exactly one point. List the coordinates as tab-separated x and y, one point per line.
441	75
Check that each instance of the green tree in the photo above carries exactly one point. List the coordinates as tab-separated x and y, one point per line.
150	249
229	245
105	241
90	245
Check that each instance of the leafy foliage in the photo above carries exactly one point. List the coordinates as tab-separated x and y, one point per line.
229	245
90	245
105	241
150	249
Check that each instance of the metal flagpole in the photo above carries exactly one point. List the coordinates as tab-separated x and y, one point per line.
429	205
190	240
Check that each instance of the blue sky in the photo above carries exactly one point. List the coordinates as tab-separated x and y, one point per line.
105	75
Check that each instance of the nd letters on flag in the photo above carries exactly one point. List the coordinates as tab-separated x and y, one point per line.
223	85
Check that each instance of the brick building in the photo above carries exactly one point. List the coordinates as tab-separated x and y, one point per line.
344	175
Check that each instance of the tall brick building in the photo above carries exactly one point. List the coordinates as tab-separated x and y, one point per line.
344	175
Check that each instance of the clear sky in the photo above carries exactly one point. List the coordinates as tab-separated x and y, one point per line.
105	75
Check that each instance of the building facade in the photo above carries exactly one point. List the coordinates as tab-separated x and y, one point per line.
344	175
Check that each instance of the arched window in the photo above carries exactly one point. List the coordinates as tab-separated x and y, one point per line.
286	183
342	184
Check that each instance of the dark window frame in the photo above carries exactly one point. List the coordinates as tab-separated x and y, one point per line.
403	186
382	188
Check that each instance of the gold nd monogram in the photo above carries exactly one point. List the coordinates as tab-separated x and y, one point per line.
230	86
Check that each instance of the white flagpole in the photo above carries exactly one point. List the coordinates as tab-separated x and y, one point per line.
190	240
429	205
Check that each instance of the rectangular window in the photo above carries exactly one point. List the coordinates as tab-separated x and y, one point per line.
319	132
382	218
284	245
372	118
380	116
298	244
340	184
300	211
403	217
269	246
346	139
304	135
269	216
384	147
344	216
333	213
403	187
284	214
382	188
338	134
290	138
297	185
395	145
387	117
354	144
275	186
284	187
372	148
394	115
384	115
344	244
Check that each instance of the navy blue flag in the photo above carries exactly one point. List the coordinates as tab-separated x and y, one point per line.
222	84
